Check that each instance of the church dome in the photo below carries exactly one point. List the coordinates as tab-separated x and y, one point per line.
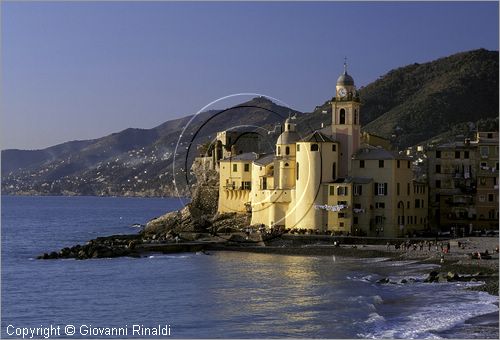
289	136
345	79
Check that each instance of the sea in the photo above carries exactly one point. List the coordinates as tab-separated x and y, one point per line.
214	295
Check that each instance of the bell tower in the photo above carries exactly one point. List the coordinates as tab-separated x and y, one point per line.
346	127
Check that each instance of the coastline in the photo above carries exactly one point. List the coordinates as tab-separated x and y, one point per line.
457	261
455	265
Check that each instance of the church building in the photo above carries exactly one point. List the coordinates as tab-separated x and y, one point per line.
335	180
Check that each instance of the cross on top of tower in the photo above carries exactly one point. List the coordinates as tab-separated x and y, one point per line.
345	65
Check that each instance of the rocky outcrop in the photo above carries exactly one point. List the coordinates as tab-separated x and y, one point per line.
200	215
101	247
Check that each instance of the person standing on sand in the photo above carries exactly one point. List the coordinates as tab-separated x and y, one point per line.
429	244
448	246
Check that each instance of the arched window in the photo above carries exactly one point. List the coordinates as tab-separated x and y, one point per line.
279	150
342	116
287	150
314	147
297	171
334	170
356	116
286	164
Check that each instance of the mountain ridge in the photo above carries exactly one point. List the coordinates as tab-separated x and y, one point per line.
409	105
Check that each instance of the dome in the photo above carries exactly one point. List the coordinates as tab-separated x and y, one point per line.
288	137
345	79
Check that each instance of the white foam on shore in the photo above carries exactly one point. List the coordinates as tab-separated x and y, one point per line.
423	322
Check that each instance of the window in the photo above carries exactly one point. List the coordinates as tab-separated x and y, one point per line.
379	205
408	204
342	116
264	183
381	163
314	147
482	198
381	189
490	135
287	150
408	189
341	202
297	171
235	167
288	127
342	191
399	163
334	170
341	224
357	206
438	184
332	190
247	185
438	154
417	203
408	165
466	154
279	150
485	151
355	220
496	166
361	163
397	188
247	167
355	116
298	147
438	168
286	164
341	215
457	154
491	197
334	147
358	190
379	219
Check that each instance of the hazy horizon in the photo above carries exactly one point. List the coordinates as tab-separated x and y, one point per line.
76	71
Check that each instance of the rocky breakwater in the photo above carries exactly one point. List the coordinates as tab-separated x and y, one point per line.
198	220
101	247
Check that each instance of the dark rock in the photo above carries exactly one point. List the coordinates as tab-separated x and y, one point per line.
383	281
452	276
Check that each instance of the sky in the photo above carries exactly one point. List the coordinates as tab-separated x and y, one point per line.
82	70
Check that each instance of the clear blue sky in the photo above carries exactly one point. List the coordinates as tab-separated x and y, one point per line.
84	70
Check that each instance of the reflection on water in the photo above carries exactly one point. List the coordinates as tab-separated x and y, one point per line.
226	295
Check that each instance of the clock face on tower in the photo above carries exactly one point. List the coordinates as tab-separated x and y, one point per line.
342	92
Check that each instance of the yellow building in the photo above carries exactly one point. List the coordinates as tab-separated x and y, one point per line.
463	183
335	180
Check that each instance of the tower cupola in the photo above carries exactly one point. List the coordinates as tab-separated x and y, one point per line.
289	134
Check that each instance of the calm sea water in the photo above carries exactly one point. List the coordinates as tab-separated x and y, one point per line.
222	295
